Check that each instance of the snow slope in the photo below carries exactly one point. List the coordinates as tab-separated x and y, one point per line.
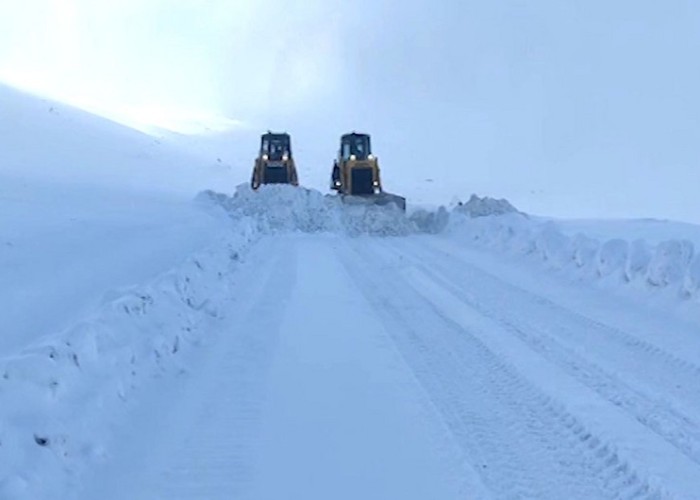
48	141
86	206
63	249
88	210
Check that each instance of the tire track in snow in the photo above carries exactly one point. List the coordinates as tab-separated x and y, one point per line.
677	427
523	443
345	417
646	353
203	441
218	459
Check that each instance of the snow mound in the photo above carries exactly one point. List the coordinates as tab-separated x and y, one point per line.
671	267
54	395
483	207
436	221
430	222
670	264
287	208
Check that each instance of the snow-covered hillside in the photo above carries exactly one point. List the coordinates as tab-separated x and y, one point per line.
47	141
87	206
165	336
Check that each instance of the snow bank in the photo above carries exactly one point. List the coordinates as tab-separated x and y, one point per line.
288	208
63	247
56	397
430	222
433	222
482	207
670	266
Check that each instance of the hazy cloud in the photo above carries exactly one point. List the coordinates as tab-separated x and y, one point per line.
234	57
539	101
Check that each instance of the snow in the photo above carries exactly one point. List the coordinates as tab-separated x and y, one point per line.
64	249
654	267
512	335
65	388
90	212
95	208
162	342
484	206
79	148
288	407
284	208
651	230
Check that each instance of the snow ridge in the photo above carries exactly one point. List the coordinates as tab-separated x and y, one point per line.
90	370
285	208
671	266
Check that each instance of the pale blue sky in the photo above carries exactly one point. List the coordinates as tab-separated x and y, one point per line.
574	107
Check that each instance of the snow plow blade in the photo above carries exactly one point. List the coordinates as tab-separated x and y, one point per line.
379	199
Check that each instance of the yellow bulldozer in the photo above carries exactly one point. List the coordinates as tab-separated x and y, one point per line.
274	164
356	176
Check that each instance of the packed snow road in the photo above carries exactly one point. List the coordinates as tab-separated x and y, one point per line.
406	368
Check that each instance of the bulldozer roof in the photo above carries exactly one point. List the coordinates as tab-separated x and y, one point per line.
276	135
354	134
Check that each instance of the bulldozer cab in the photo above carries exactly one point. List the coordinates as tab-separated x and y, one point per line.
356	171
356	177
355	147
274	164
275	147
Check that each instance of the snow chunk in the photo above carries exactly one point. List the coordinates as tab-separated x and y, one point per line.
670	262
431	222
483	207
584	251
553	246
613	257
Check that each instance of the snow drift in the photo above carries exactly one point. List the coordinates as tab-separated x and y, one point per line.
56	397
483	207
287	208
671	266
